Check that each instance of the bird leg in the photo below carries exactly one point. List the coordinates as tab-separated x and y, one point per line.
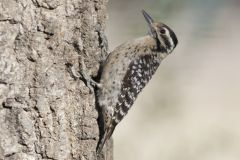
90	83
87	78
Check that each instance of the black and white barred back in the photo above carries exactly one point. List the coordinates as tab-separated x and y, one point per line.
139	73
128	69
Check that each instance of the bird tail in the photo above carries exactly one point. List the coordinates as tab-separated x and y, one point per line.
107	134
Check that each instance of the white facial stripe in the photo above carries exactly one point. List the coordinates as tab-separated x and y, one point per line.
161	41
169	39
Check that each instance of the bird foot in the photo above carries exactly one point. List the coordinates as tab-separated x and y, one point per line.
82	74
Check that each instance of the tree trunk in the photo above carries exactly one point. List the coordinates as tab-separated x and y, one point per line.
44	112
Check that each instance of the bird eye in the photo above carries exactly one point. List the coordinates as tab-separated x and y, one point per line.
162	30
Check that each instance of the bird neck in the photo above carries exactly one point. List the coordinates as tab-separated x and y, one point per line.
150	43
146	42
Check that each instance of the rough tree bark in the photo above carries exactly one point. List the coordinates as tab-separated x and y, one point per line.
44	112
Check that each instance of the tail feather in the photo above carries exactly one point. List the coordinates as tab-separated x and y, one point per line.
107	134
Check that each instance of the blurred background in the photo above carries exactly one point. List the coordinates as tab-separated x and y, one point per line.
190	110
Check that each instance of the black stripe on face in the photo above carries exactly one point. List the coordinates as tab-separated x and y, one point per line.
172	35
166	41
174	38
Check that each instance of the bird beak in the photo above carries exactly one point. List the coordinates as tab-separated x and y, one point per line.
150	21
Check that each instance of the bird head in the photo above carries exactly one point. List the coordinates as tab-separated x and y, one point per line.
166	38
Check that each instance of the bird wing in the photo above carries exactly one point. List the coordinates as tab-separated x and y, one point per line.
139	73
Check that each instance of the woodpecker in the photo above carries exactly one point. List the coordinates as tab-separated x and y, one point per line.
127	70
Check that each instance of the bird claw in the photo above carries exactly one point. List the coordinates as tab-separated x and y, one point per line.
90	83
